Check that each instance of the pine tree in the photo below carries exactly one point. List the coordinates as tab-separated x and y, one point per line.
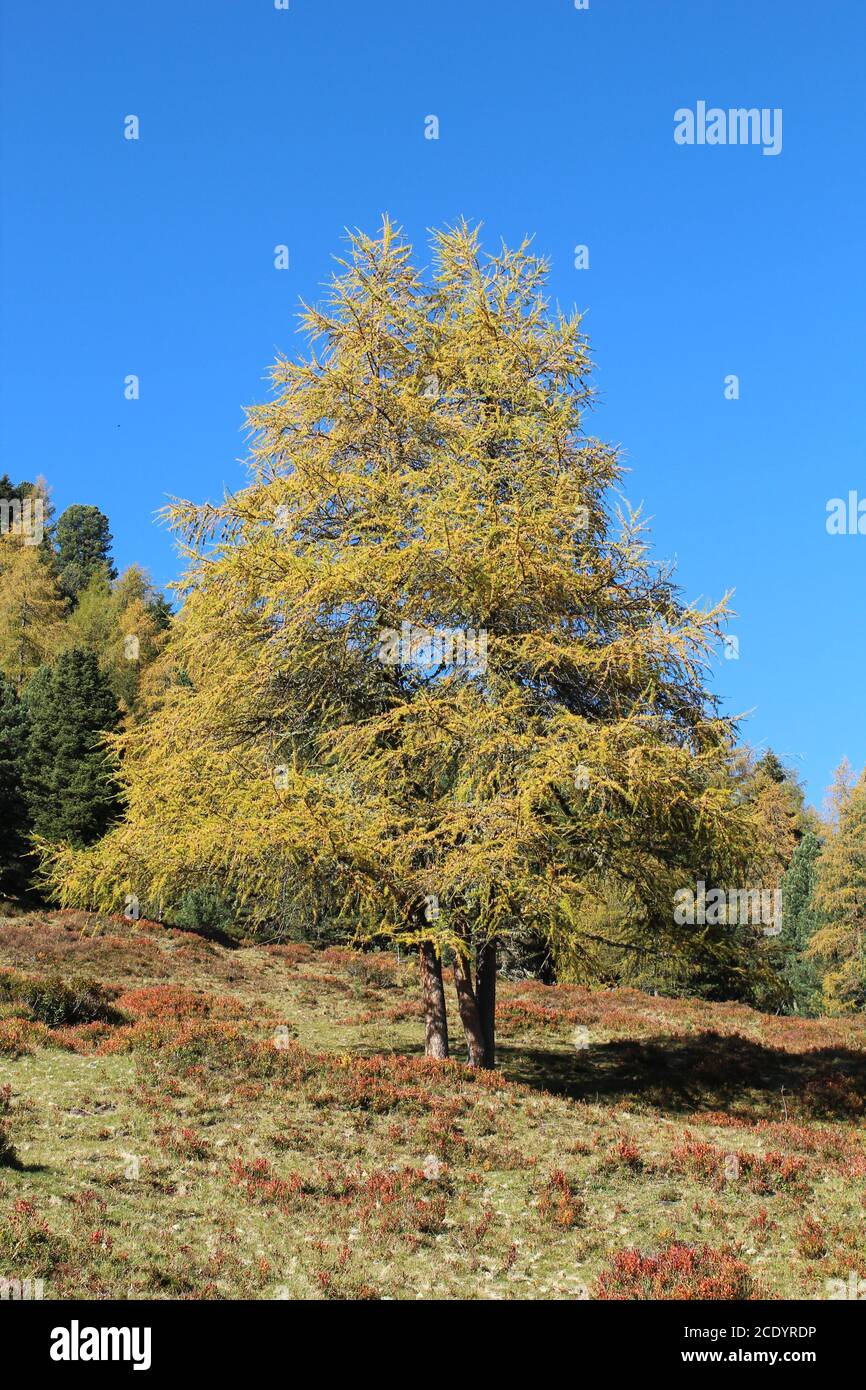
423	670
83	543
69	775
772	767
840	896
14	823
800	921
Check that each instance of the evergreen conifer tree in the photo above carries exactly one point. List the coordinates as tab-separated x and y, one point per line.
69	775
14	822
83	543
800	920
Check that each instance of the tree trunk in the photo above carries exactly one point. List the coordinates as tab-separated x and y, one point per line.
469	1013
433	994
485	994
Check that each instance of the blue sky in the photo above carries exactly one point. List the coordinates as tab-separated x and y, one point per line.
261	126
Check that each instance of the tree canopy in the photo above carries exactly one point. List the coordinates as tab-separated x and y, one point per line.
840	897
83	543
426	669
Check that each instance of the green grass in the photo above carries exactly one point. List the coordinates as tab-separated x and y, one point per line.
260	1122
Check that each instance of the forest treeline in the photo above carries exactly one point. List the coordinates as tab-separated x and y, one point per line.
76	642
256	763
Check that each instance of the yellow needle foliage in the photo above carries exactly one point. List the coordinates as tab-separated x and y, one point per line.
540	735
838	944
32	611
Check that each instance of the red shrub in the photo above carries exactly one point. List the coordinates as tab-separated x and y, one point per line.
811	1242
762	1173
173	1002
561	1204
676	1272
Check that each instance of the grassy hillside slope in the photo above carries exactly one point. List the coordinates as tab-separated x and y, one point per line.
259	1122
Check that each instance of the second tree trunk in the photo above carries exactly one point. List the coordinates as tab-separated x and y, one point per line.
433	994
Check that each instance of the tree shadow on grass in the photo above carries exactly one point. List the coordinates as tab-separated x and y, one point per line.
706	1071
16	1167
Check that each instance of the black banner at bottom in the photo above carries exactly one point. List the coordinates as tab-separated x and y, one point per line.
82	1340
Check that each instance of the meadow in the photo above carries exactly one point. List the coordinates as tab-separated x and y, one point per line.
191	1118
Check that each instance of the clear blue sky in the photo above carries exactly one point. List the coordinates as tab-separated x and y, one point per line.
261	126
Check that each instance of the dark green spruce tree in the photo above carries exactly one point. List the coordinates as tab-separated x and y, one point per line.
14	822
772	766
83	543
800	920
69	780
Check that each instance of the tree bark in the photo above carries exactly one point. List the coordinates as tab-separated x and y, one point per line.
485	994
433	994
469	1013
